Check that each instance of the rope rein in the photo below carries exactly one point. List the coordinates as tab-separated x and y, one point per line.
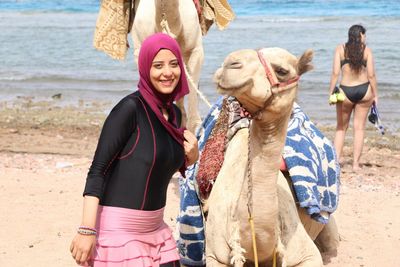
250	205
250	199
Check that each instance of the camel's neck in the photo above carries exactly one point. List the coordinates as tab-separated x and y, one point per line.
266	146
171	10
267	142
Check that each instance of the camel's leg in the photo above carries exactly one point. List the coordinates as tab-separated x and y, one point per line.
300	250
211	262
136	44
144	24
312	227
194	64
181	105
328	239
218	251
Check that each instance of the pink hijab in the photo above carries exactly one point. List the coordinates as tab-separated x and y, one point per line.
149	49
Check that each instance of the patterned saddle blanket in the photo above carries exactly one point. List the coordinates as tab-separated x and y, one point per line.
309	156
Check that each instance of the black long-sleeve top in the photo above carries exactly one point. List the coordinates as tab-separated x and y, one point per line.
135	158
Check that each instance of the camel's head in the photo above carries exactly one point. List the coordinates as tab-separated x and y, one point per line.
264	80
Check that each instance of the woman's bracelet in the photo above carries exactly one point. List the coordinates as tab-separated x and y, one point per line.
84	230
87	228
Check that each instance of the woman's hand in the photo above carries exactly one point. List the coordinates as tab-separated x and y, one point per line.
376	100
82	247
191	147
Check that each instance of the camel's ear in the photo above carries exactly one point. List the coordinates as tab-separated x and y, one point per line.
304	64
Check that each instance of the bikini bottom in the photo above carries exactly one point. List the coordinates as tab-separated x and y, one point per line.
355	93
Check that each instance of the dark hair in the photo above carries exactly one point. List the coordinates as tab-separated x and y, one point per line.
354	49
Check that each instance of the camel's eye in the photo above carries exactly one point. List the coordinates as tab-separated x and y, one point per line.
281	71
233	65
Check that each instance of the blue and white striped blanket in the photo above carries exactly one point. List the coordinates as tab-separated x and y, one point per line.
191	242
311	162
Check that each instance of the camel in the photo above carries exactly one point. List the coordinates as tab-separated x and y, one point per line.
182	24
265	83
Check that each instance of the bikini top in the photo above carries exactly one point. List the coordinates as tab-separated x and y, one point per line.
346	60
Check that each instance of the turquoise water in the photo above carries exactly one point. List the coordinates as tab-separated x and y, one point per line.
241	7
46	48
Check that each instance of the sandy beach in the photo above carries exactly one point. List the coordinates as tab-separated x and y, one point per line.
45	152
56	89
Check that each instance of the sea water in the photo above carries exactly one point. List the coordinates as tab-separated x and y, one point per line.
46	48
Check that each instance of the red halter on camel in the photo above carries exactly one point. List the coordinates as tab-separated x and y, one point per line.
276	86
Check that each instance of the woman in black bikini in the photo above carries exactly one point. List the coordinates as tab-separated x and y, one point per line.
354	60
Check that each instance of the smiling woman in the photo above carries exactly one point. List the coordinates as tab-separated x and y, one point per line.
165	72
140	147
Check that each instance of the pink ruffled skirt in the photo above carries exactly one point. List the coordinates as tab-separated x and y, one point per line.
128	237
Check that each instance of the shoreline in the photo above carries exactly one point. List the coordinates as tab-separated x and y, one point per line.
83	120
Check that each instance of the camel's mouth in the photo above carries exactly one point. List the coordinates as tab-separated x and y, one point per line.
228	88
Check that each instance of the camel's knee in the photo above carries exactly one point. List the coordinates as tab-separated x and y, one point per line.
312	227
316	262
211	261
217	253
328	238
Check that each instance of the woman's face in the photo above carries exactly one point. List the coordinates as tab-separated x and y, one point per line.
363	38
165	72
